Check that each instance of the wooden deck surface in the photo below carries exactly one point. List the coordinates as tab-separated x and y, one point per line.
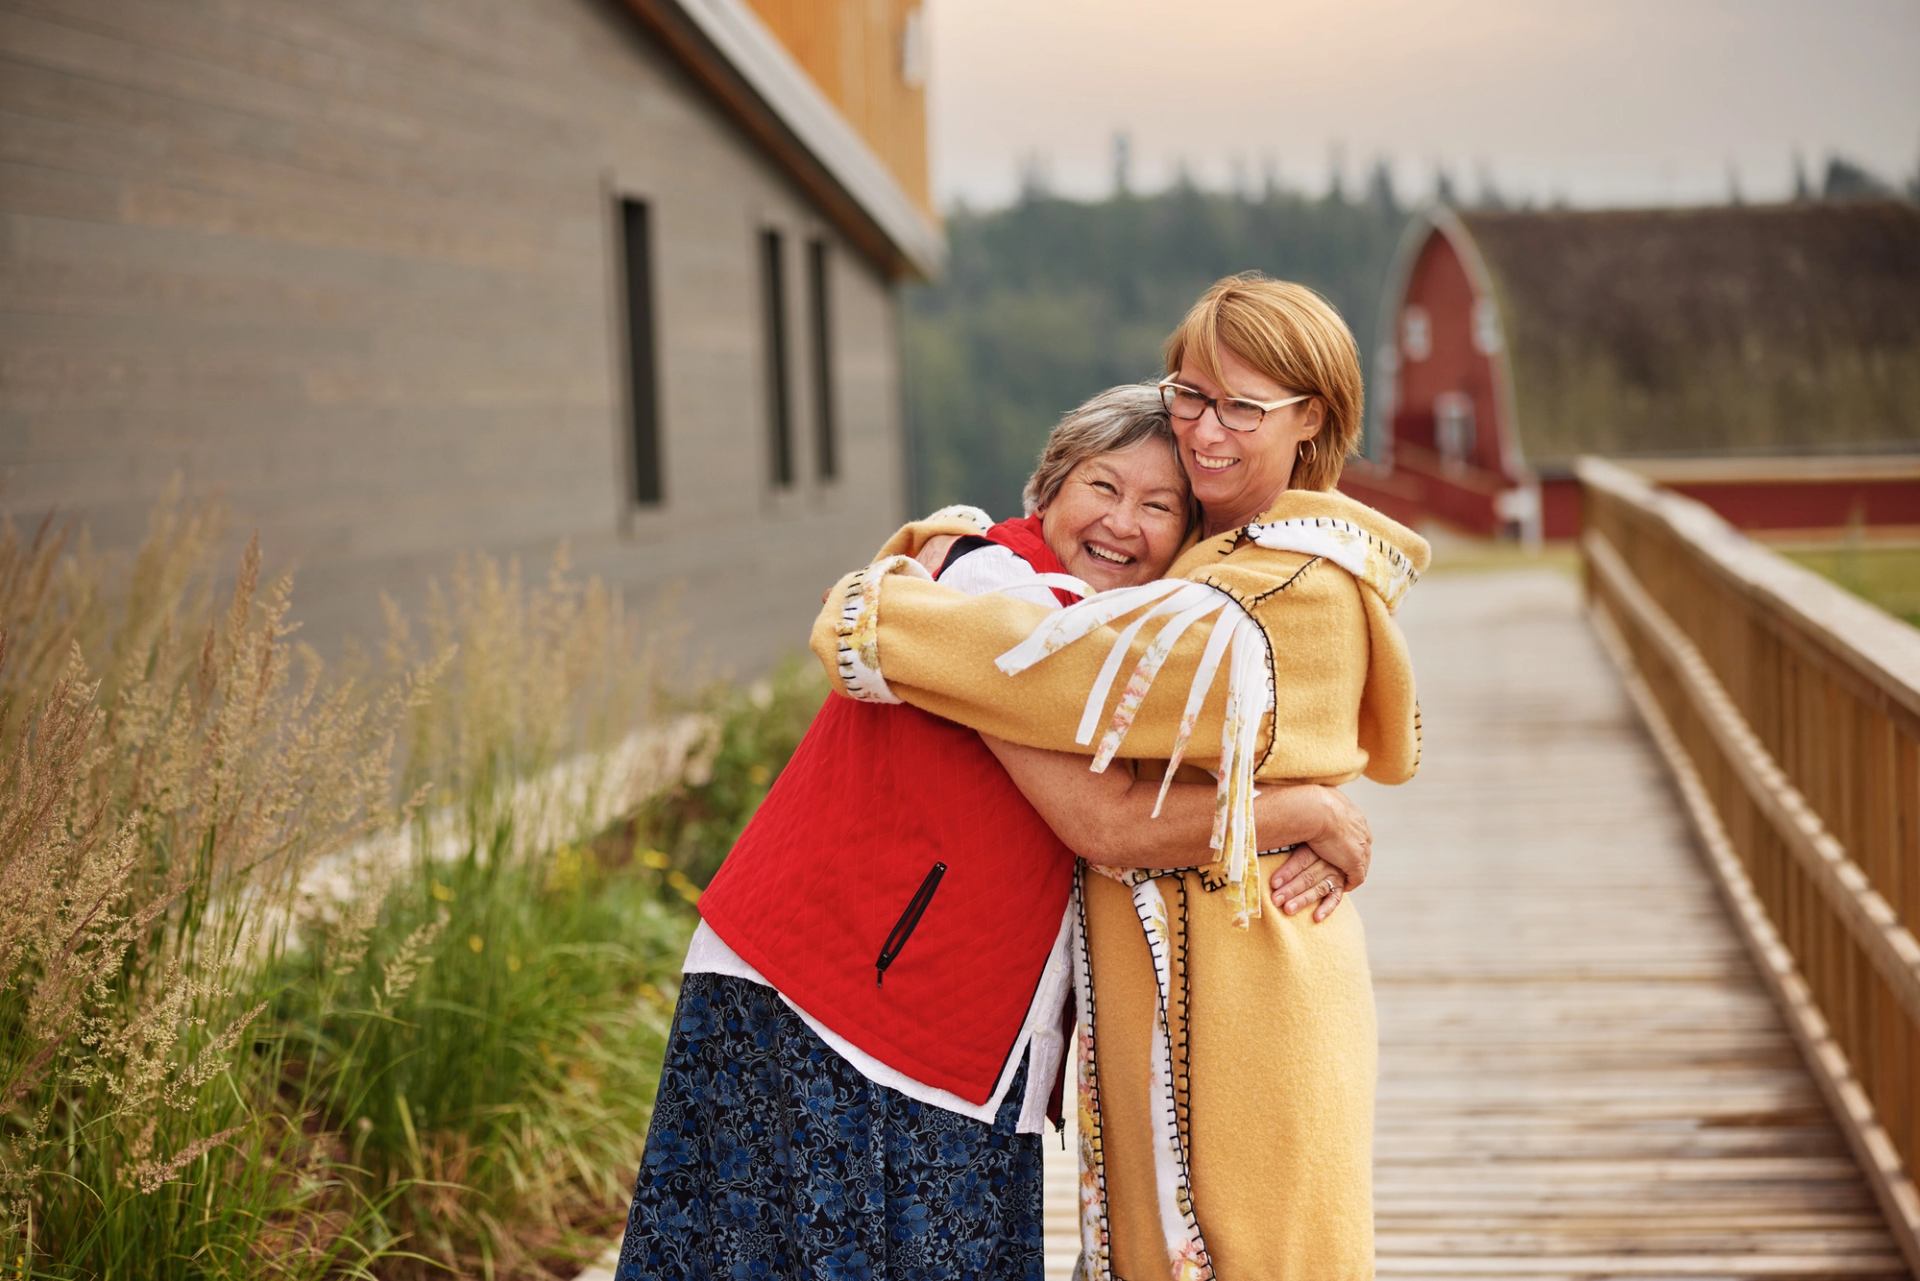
1581	1075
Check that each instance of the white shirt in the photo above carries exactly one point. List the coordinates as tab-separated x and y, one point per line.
985	569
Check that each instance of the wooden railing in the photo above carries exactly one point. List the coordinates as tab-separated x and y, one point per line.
1789	713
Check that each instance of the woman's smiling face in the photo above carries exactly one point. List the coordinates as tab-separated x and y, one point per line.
1120	517
1237	475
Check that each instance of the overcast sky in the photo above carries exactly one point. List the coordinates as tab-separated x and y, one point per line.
1599	101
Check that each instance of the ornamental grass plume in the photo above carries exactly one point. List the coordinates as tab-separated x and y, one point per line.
169	766
311	973
515	1056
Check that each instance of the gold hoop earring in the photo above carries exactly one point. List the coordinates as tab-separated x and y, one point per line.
1313	452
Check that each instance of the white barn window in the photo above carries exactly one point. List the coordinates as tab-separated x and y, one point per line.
1486	326
1416	333
1453	426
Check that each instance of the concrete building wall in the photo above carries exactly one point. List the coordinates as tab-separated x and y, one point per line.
355	267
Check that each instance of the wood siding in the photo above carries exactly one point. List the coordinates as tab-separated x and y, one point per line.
853	49
356	268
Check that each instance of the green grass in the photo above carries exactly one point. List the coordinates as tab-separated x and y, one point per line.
239	1040
1887	576
496	1103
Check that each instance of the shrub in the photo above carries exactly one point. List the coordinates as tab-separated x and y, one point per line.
169	768
310	974
745	738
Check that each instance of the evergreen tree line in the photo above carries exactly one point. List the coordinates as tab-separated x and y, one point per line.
1049	300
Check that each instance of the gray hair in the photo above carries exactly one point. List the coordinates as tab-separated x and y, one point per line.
1118	418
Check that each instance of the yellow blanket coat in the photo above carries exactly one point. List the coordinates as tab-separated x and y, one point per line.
1228	1073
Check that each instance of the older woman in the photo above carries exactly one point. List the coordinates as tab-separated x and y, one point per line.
1229	1056
869	1025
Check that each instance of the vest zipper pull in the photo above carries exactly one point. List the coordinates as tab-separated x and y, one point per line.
903	928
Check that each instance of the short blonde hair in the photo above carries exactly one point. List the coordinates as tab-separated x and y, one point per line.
1293	336
1118	418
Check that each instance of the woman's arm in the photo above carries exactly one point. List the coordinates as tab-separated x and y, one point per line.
889	634
933	553
1108	818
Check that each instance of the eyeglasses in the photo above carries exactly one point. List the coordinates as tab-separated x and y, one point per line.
1234	413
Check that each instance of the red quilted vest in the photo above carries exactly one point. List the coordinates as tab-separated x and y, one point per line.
897	887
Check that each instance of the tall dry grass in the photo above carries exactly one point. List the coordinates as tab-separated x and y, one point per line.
307	973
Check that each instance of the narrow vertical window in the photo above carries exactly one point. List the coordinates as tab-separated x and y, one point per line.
779	400
1453	426
643	391
826	452
1416	333
1486	326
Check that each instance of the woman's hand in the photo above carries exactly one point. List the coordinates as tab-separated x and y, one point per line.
934	553
931	555
1327	864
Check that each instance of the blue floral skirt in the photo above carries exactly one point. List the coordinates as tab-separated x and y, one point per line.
771	1159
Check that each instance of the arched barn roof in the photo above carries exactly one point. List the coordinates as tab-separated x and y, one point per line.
1759	329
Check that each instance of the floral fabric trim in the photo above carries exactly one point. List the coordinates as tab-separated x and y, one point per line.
859	629
1165	925
1187	1258
1096	1247
964	514
1368	557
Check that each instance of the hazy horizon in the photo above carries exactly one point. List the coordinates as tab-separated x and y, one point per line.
1626	103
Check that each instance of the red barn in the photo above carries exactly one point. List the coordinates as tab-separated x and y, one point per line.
1678	340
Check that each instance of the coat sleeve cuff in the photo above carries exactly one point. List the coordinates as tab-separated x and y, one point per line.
857	665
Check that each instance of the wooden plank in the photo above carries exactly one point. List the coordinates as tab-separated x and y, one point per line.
1871	921
1891	1183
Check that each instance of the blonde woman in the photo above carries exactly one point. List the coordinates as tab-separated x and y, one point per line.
1229	1051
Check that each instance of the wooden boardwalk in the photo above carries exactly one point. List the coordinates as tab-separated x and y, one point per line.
1581	1075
